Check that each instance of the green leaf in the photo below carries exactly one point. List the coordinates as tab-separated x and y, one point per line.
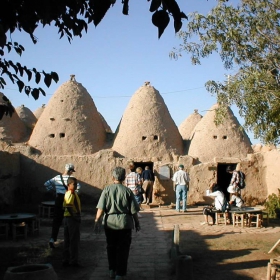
125	7
20	85
27	90
155	4
55	76
35	93
37	78
48	80
160	19
42	91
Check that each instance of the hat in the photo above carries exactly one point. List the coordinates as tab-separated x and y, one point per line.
232	189
229	168
181	166
69	167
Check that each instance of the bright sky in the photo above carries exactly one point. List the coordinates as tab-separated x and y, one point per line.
114	59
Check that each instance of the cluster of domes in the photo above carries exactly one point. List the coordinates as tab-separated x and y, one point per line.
70	124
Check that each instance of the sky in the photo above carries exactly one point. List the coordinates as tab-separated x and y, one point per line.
113	60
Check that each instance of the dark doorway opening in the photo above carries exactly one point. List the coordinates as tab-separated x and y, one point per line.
223	177
143	164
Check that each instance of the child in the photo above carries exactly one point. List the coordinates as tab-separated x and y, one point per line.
72	220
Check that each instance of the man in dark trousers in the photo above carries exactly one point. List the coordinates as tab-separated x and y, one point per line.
59	184
148	179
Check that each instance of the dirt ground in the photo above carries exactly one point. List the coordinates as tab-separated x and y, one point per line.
216	254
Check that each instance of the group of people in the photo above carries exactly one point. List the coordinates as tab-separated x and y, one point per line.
220	201
141	183
119	205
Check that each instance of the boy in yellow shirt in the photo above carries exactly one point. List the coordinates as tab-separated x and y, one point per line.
72	221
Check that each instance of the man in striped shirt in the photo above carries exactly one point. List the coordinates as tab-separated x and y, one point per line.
59	184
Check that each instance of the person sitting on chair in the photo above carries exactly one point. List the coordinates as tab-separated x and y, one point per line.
216	192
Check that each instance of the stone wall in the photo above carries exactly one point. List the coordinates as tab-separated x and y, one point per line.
23	173
9	179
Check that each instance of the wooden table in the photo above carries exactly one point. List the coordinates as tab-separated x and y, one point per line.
17	217
246	214
18	223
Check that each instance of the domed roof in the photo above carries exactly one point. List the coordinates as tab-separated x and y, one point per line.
105	124
225	140
70	123
12	128
38	112
187	126
26	116
146	128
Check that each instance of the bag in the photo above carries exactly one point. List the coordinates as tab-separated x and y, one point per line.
241	183
225	207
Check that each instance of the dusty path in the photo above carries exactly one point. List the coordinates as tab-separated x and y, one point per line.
218	252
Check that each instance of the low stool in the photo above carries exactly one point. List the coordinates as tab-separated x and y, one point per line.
238	219
4	230
265	218
254	219
46	210
220	217
35	226
19	230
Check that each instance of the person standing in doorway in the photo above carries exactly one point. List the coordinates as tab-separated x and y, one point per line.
148	179
181	185
234	181
133	182
59	184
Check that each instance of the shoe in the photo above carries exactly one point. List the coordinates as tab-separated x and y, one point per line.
51	243
204	223
112	274
144	201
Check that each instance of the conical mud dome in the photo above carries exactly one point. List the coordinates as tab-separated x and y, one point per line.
146	128
225	140
38	112
105	124
12	129
26	116
70	123
187	126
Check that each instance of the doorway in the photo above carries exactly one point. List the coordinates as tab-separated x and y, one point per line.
223	177
143	164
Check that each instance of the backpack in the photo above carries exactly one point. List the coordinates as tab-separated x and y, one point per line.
241	183
225	206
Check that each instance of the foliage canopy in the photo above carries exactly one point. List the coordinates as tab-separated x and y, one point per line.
71	18
247	38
